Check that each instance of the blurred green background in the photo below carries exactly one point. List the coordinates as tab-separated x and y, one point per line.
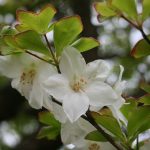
18	122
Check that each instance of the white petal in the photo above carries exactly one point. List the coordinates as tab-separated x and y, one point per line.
85	126
100	94
119	85
75	105
59	113
23	89
16	85
47	101
57	86
98	69
10	66
96	108
115	108
71	133
72	63
36	96
45	70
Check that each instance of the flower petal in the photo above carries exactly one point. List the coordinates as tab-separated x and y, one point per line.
98	69
71	133
36	96
10	66
59	113
75	105
57	86
72	63
100	94
45	70
119	85
47	101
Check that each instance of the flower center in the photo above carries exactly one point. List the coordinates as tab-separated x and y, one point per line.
79	84
94	146
27	77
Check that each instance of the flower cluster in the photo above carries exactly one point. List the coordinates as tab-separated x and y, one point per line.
78	87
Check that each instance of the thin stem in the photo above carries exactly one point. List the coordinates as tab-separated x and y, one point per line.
51	51
138	28
36	56
144	35
57	102
130	22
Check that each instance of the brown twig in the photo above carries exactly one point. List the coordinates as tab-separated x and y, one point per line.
52	53
36	56
138	28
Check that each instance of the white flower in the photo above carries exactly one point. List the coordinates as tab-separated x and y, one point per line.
27	74
74	133
80	85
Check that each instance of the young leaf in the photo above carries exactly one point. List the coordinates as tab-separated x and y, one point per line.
128	107
146	10
65	31
84	44
30	40
109	123
145	86
10	41
95	136
9	46
48	118
49	132
145	99
141	49
104	10
138	121
38	22
126	6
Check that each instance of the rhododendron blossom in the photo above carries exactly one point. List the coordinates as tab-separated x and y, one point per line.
80	85
27	74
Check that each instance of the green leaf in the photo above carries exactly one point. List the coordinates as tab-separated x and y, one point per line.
146	10
104	10
10	41
48	118
84	44
126	6
145	99
109	123
31	40
38	22
95	136
65	31
138	121
9	46
128	107
22	27
145	86
141	49
8	30
49	132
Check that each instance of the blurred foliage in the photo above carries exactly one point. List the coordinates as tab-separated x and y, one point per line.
117	38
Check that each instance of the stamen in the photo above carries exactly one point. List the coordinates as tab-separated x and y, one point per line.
79	84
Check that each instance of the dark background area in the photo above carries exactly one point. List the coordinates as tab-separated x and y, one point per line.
19	123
